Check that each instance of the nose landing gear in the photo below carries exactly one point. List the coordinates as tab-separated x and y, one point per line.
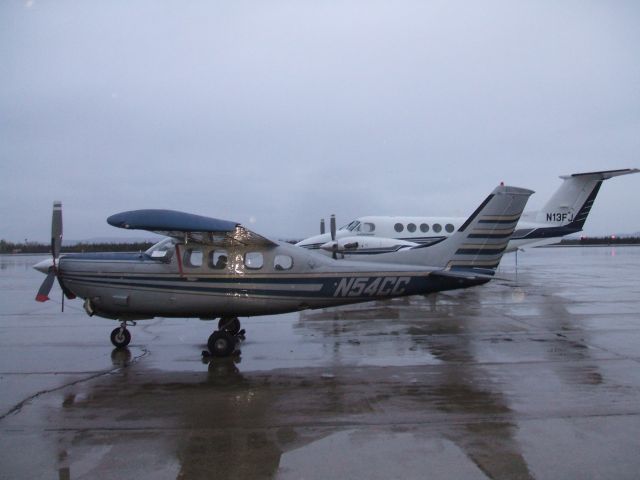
230	324
120	336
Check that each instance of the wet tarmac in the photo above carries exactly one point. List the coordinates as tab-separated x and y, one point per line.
530	377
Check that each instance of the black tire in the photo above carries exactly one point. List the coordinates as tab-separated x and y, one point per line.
120	337
230	324
221	343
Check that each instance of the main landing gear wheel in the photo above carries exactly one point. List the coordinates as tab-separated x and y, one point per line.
221	343
230	324
120	337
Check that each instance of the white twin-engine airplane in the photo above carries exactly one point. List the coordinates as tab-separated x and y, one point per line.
564	214
216	269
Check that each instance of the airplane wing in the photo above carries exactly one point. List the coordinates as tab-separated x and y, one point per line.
188	227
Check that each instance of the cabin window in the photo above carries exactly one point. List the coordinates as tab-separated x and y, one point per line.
411	227
193	257
218	259
424	228
449	228
437	227
367	227
282	262
398	227
253	260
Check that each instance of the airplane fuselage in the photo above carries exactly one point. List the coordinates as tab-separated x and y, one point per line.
427	231
186	283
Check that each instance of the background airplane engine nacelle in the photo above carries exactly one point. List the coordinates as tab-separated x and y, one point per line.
362	244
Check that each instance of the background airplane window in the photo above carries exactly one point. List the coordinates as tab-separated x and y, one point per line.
437	227
282	262
193	257
449	228
411	227
368	227
218	259
253	260
424	227
398	227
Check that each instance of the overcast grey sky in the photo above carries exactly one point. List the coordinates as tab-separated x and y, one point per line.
276	113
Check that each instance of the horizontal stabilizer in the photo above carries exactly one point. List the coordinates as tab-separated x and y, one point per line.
463	274
604	174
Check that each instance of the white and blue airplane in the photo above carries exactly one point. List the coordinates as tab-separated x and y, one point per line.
564	214
216	269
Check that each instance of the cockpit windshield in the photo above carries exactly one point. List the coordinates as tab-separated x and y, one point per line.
352	226
163	249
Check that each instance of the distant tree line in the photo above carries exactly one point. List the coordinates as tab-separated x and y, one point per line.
611	240
36	247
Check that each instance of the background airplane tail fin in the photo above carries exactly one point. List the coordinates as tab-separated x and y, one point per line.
480	242
572	201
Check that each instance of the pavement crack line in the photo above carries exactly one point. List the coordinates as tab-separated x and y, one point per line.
16	408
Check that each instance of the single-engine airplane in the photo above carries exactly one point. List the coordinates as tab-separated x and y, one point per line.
564	214
217	269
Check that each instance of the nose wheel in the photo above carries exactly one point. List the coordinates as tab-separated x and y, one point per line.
120	336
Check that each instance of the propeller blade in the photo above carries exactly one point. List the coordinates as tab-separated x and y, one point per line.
45	288
56	229
322	226
333	237
67	293
333	227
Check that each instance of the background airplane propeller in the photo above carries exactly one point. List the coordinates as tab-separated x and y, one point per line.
334	248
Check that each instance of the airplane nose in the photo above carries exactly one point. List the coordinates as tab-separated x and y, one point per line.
44	265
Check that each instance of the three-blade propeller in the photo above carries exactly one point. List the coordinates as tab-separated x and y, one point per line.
56	243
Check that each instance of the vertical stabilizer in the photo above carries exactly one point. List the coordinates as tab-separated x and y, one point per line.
572	202
480	242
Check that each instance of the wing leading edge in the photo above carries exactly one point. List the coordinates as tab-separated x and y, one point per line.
188	227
